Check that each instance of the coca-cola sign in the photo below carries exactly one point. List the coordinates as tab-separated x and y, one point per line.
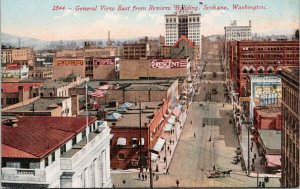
168	63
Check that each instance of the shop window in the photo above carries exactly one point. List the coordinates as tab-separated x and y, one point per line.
121	156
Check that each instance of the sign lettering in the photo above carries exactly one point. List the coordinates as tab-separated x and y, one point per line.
168	63
68	63
104	61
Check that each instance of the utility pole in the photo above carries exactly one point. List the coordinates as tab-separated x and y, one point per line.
248	148
140	141
150	169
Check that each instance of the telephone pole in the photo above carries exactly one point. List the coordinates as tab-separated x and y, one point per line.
140	141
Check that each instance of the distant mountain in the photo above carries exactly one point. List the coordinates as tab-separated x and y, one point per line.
37	44
7	39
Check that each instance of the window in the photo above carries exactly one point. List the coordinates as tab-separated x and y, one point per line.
41	94
24	165
63	149
46	161
83	134
121	156
53	156
74	141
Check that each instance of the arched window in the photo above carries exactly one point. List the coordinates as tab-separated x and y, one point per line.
245	70
251	71
270	71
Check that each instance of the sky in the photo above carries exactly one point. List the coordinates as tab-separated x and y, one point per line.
37	19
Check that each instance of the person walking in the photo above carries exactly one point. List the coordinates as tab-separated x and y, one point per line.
194	135
143	177
139	176
165	159
254	155
214	168
146	176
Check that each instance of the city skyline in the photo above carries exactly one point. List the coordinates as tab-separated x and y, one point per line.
38	20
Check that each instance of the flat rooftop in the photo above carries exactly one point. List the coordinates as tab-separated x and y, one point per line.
40	105
270	138
98	83
55	84
269	111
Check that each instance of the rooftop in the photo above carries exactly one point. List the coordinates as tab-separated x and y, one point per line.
155	84
12	87
35	137
269	111
55	84
270	138
42	104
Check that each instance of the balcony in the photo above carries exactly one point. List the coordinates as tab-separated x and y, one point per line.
79	152
31	176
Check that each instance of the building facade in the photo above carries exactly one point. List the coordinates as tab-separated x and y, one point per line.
64	160
290	127
260	57
184	23
237	33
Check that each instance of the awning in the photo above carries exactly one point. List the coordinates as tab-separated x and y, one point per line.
176	111
121	141
172	119
273	160
159	145
168	127
154	156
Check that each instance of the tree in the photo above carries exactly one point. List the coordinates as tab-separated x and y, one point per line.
297	34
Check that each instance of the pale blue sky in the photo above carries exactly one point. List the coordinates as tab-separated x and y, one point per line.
35	18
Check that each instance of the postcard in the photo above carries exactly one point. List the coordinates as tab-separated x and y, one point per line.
149	93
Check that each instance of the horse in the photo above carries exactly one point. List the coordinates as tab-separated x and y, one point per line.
227	172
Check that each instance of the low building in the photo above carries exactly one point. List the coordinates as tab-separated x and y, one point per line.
162	68
131	90
105	68
54	152
290	127
15	92
14	72
51	106
268	117
133	138
60	87
65	66
269	148
43	67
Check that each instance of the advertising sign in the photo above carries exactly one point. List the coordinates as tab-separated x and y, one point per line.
168	63
68	63
104	61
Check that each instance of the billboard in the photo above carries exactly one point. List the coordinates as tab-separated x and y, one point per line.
68	62
104	61
43	61
168	63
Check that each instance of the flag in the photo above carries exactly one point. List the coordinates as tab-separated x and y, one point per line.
95	92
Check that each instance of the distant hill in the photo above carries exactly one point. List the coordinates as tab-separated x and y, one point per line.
37	44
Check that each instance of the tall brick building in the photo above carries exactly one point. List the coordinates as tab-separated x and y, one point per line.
290	127
260	57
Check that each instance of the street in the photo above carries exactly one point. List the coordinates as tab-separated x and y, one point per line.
208	140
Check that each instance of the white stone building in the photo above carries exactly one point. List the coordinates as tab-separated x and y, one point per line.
184	23
237	33
53	152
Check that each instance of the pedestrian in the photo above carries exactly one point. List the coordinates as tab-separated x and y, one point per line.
157	177
139	176
167	172
223	105
191	123
143	177
252	160
170	152
168	148
251	149
194	135
158	156
214	168
251	144
165	159
254	155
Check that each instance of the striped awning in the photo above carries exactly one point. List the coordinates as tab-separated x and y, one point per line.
172	119
168	127
176	111
159	145
154	156
121	141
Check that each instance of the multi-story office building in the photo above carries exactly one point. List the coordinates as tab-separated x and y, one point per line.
237	33
290	127
260	57
54	152
183	23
